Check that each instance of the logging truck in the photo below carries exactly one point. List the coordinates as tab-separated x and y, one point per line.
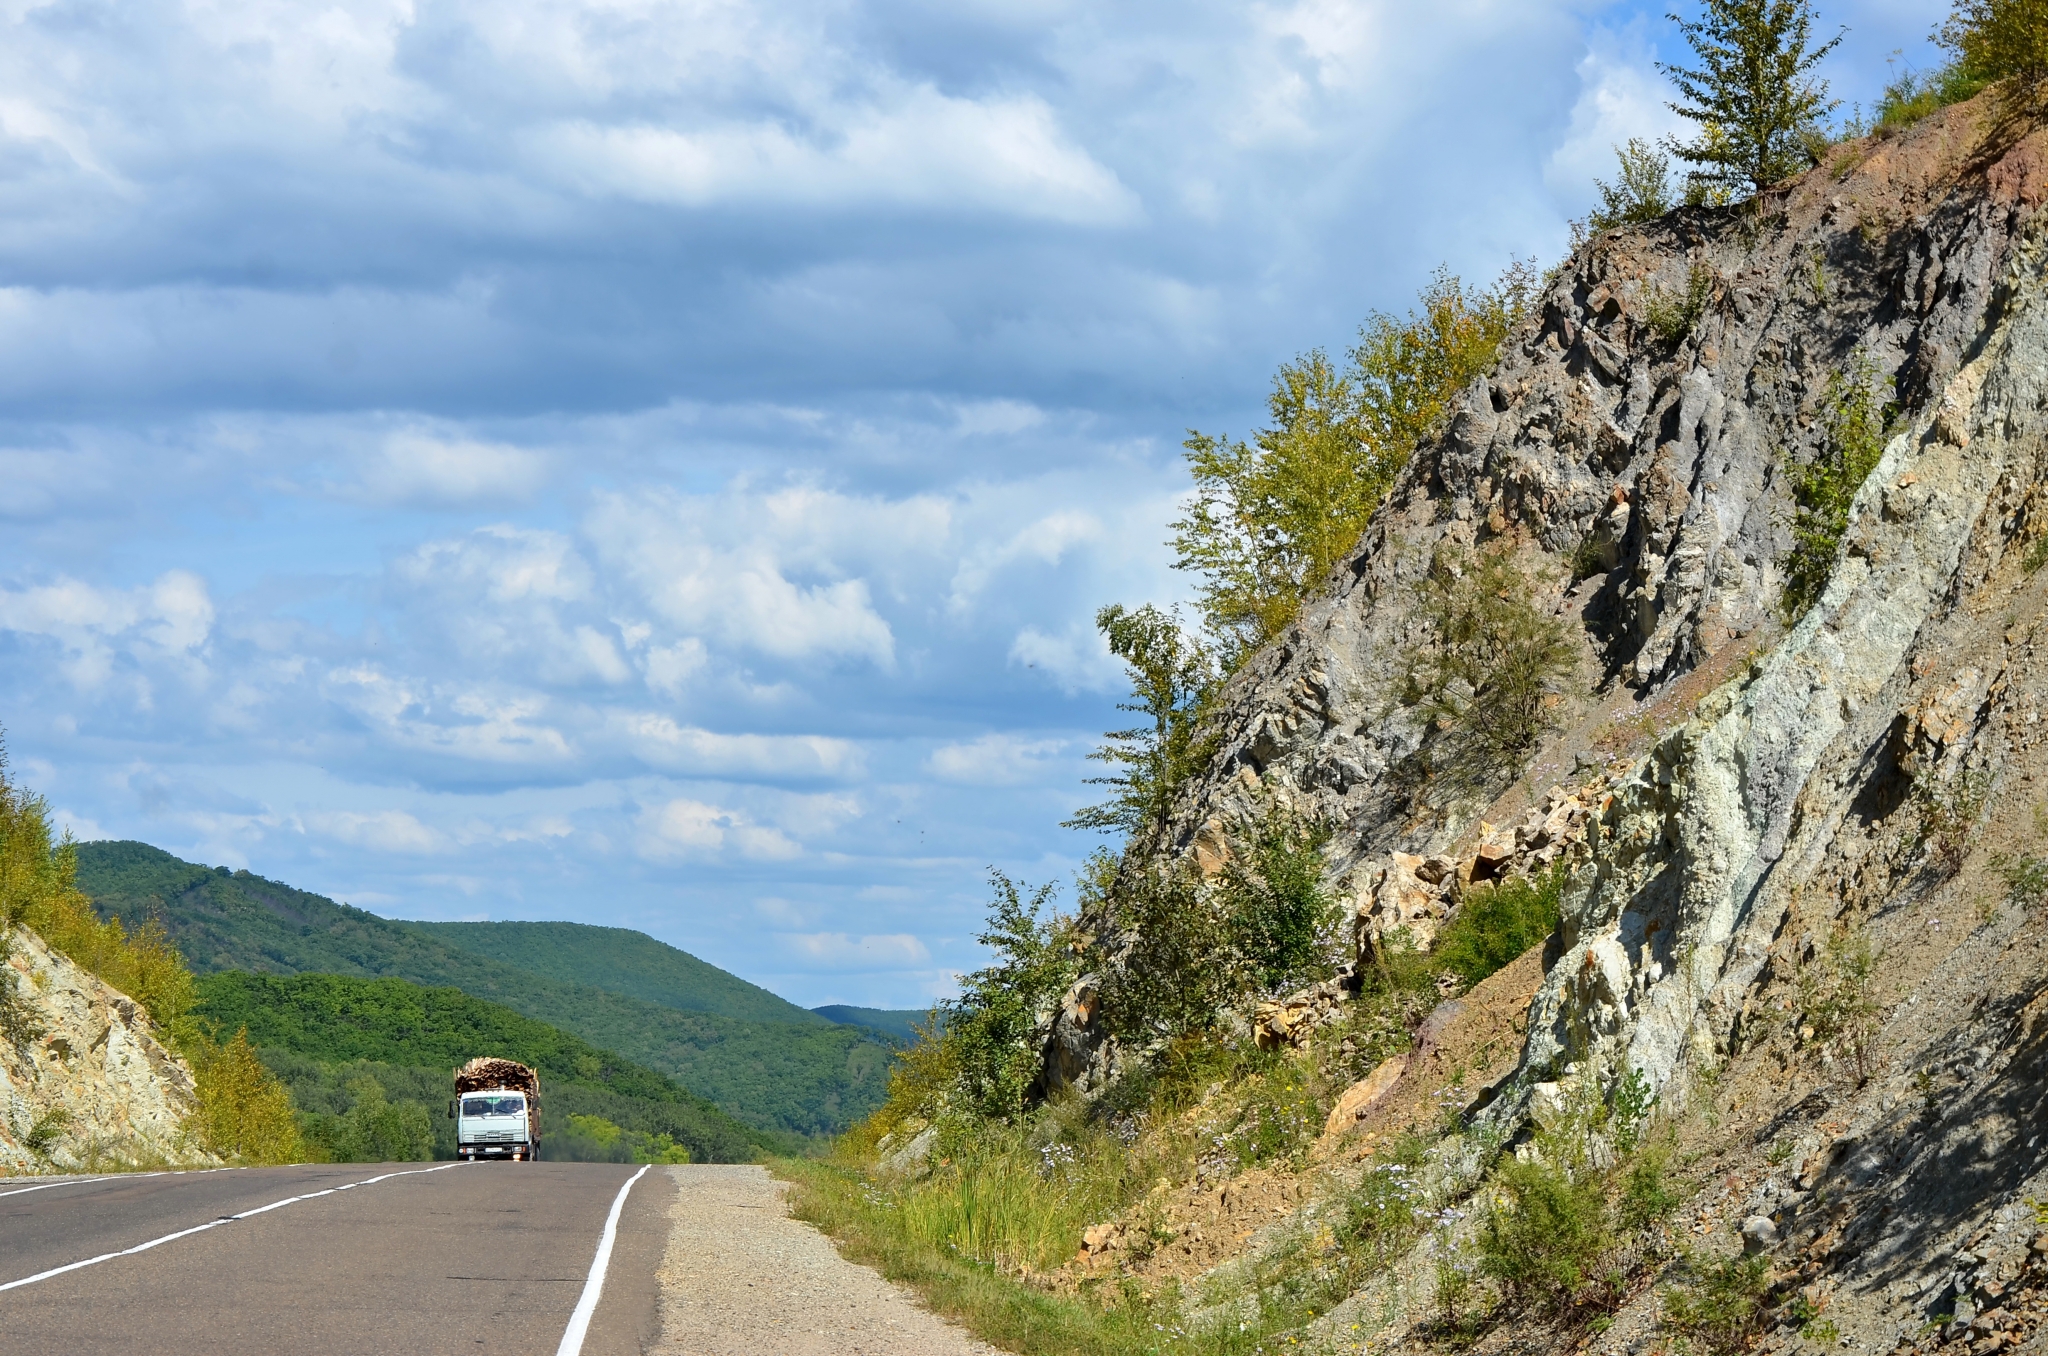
496	1110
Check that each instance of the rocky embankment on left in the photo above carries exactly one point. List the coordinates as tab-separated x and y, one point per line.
85	1080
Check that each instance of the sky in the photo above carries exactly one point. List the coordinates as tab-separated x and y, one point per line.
656	462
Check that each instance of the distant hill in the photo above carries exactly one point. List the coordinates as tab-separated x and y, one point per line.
902	1023
337	1020
806	1075
619	960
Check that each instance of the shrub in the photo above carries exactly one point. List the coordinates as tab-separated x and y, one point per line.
244	1113
1999	40
1490	671
1180	968
2026	880
994	1027
1672	316
1949	809
1496	923
1834	997
1754	93
1646	1195
1720	1301
1544	1241
1641	191
1823	490
1912	96
1282	923
19	1024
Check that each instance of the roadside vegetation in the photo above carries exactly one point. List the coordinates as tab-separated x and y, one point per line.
1042	1196
243	1113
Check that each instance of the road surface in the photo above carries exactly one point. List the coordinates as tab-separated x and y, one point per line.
410	1258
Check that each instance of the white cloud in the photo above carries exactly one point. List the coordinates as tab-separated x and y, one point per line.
413	467
1076	659
661	743
168	621
842	951
995	760
1621	95
670	667
1044	541
686	829
469	723
911	147
381	831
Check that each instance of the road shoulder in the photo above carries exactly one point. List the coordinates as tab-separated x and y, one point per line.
741	1277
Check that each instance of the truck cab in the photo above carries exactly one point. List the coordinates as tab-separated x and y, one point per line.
493	1123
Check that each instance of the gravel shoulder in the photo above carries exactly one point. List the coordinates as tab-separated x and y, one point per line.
740	1277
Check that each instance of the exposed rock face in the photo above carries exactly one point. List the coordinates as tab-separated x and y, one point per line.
1596	441
122	1095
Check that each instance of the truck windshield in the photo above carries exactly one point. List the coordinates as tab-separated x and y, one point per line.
493	1106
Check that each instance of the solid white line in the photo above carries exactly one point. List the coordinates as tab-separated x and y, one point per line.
76	1181
586	1306
212	1224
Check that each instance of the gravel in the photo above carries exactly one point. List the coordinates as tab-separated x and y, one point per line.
741	1278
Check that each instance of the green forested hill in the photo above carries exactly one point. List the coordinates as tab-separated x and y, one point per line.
900	1023
336	1020
622	961
806	1076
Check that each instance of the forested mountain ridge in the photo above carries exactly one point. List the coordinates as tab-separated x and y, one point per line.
806	1075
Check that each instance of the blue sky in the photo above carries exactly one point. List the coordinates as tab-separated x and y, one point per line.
655	463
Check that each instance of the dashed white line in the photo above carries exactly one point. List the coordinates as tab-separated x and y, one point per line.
586	1306
261	1209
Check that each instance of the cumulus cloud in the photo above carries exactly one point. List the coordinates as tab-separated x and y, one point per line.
839	950
379	831
661	743
1075	659
1621	95
164	623
413	467
995	760
683	829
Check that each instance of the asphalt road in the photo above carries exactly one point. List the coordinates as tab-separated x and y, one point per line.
486	1257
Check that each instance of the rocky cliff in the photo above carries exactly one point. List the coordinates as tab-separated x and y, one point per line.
1734	797
88	1085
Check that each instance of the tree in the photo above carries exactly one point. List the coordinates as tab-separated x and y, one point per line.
1753	95
992	1029
1641	191
1173	678
2000	39
1270	518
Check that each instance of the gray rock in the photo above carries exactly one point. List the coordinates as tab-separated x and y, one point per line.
1759	1234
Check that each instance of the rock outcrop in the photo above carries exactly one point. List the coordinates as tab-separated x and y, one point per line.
91	1084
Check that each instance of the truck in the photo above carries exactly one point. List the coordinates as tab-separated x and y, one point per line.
496	1110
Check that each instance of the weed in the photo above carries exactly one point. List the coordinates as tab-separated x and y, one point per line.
1542	1240
1719	1302
1818	278
43	1134
1672	316
1834	995
1633	1102
1949	809
2036	557
2026	879
1781	1151
1496	923
19	1025
1647	1196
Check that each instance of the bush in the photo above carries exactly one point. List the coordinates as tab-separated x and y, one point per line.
1489	674
1834	998
244	1113
1641	191
1173	677
994	1028
1283	924
1912	96
1823	490
1718	1305
1544	1242
1672	316
1998	40
1179	971
1496	923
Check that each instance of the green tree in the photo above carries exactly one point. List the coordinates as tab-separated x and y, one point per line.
1283	922
1999	39
1173	677
1269	519
1754	95
1641	191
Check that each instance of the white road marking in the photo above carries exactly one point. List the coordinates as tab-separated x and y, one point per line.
586	1306
76	1181
118	1177
216	1223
